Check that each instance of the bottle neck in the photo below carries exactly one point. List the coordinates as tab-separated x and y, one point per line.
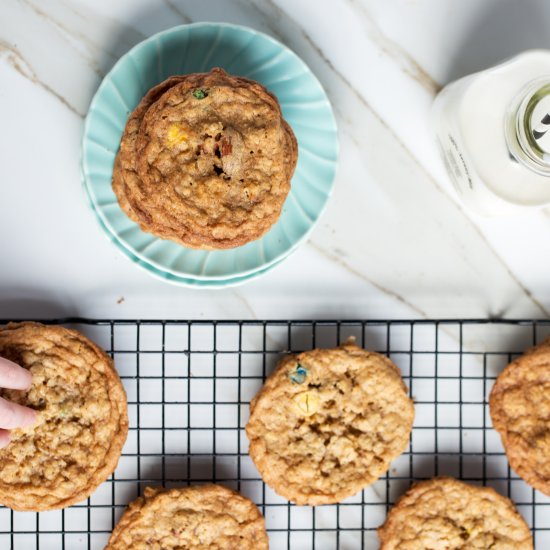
527	127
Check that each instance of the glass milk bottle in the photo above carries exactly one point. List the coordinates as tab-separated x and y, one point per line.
493	129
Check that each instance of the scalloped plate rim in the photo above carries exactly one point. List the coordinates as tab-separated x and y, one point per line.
121	242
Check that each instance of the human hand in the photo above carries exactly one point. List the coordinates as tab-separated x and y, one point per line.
12	415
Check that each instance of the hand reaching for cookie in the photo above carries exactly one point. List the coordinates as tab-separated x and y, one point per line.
12	415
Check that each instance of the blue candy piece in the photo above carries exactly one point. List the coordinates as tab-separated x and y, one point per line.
299	375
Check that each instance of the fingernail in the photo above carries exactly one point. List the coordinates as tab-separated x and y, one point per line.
5	438
30	418
28	379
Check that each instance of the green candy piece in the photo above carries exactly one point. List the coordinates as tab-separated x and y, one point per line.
200	94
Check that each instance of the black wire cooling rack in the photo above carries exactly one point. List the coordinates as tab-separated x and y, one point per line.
189	385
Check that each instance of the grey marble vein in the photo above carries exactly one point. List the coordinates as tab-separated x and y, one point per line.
12	55
177	10
335	256
245	303
67	30
525	290
406	62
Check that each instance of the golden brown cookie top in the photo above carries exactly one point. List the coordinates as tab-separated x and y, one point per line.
444	513
206	517
82	419
206	160
520	410
328	422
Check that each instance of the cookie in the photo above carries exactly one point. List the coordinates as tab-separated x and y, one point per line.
206	161
520	410
444	513
207	517
328	422
81	423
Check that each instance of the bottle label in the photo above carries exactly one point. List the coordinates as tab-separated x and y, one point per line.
456	165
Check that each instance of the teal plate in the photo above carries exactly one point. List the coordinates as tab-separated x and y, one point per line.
241	51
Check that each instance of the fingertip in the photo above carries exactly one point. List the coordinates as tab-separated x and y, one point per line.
13	415
5	438
26	379
13	376
29	418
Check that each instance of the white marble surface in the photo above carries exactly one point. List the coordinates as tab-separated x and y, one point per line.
393	243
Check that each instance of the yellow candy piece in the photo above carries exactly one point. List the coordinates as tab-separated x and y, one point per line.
307	403
175	135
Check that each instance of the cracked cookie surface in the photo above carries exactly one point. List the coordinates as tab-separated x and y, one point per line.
447	514
328	422
82	418
206	517
126	183
520	411
206	161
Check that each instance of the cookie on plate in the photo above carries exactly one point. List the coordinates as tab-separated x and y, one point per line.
203	517
328	422
444	513
206	160
81	423
520	409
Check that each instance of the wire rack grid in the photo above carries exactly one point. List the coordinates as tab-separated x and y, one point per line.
189	384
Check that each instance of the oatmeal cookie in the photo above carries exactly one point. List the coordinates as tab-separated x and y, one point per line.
328	422
81	423
206	161
520	409
207	517
446	514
